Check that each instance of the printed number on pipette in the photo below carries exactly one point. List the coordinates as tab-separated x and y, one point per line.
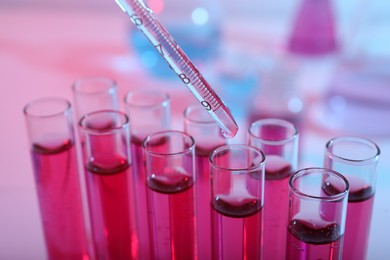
142	16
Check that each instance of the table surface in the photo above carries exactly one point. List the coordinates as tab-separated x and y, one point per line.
42	51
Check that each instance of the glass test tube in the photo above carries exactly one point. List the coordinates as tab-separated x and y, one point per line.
237	182
169	161
317	214
109	183
356	158
278	139
91	94
50	129
149	112
208	137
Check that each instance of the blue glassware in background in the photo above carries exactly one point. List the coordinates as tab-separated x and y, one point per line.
193	24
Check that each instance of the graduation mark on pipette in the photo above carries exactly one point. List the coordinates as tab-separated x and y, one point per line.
142	16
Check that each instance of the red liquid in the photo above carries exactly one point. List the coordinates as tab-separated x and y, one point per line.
172	216
57	183
237	230
203	197
356	239
109	203
304	241
277	173
140	189
359	212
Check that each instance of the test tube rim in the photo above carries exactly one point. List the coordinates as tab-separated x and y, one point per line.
112	84
355	139
165	98
336	197
124	123
197	107
260	165
187	150
274	121
66	107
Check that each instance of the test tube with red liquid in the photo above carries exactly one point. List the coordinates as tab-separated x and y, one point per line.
91	94
170	171
317	214
278	139
207	135
52	144
356	158
109	181
237	182
149	112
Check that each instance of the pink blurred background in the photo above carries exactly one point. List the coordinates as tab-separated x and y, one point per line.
46	45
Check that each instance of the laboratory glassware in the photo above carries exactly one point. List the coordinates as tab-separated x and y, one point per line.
278	139
51	142
170	170
149	112
94	93
314	30
142	16
196	27
237	182
317	214
107	162
207	135
90	94
356	158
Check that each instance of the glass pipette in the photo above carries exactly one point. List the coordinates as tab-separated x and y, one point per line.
142	16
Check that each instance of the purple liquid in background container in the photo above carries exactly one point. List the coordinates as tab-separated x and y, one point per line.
313	32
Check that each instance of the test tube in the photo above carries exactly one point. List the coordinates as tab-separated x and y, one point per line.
51	140
317	214
149	112
207	135
356	158
169	161
90	94
109	183
278	139
237	182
